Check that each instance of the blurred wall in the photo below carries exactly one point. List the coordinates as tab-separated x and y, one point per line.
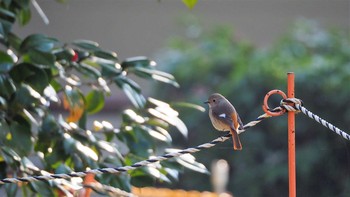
140	27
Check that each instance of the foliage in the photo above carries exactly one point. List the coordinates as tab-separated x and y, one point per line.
215	61
39	71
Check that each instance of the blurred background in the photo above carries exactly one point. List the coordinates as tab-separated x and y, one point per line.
241	49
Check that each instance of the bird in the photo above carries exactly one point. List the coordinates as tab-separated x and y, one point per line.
224	117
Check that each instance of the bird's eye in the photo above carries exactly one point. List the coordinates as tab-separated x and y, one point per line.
214	100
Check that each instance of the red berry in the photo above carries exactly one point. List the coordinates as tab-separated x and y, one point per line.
75	57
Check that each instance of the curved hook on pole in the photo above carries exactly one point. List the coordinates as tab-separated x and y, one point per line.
266	107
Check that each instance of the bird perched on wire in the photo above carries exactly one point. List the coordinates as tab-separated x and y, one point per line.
224	117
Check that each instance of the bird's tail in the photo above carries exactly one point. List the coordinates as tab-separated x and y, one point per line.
236	142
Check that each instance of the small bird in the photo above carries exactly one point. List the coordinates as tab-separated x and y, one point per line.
224	117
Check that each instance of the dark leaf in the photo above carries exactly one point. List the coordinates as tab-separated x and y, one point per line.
21	134
43	59
27	96
43	188
64	54
89	70
14	41
5	28
140	61
10	156
7	15
38	42
7	86
36	77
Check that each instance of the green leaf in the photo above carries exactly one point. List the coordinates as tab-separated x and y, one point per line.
137	99
94	101
88	70
5	28
21	139
14	41
106	55
10	156
38	42
42	187
190	3
11	190
7	15
49	127
35	77
87	45
124	80
27	96
24	16
41	58
6	62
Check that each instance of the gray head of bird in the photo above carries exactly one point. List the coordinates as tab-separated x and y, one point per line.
215	99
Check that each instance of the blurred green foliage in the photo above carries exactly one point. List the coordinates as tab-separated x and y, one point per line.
205	62
37	72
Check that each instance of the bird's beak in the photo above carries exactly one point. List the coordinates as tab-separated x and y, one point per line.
206	102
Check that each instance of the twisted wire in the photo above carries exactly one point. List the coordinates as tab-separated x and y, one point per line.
140	163
297	106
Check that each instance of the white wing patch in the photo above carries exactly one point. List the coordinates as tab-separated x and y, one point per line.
222	115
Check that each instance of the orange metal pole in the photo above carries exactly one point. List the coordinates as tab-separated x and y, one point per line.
291	139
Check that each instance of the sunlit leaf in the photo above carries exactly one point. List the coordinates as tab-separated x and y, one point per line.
190	3
94	101
156	75
24	16
189	161
188	105
74	102
173	120
6	62
132	116
87	45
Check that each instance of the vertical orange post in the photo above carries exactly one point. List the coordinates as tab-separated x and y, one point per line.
291	139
